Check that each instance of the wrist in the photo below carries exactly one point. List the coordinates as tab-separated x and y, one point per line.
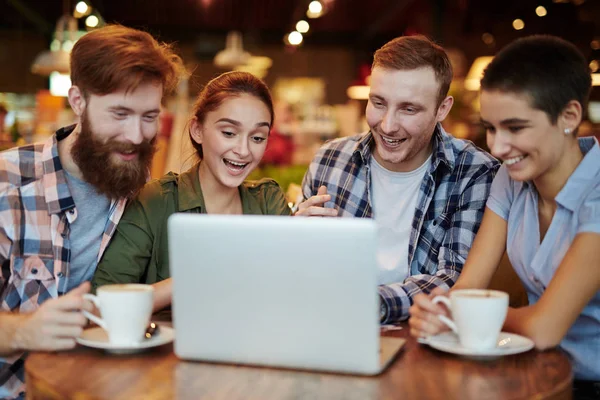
383	309
16	324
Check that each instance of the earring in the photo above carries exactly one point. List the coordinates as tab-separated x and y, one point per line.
567	131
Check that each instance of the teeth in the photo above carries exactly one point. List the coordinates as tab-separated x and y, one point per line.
390	141
514	160
235	164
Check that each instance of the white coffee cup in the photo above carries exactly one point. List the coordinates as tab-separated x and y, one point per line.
477	316
125	310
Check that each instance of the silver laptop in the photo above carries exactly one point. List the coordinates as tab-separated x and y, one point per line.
287	292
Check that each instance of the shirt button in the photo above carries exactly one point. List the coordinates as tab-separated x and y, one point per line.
71	211
60	274
34	271
63	234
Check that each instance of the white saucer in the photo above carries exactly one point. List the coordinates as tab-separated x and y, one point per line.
508	343
98	338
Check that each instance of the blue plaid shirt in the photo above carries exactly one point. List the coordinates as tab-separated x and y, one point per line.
449	208
36	209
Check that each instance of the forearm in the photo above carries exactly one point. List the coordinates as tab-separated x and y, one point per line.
10	325
523	321
398	296
163	293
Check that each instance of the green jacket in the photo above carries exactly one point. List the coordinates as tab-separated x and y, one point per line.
138	252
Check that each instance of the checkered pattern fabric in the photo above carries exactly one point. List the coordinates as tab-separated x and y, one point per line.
36	209
449	208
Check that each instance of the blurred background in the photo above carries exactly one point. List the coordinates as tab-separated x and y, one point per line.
314	55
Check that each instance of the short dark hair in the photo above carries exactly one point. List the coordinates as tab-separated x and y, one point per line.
223	87
412	52
550	70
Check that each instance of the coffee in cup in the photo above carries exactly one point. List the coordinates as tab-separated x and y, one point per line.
477	316
125	311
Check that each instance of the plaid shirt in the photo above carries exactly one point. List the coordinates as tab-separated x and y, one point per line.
449	208
36	209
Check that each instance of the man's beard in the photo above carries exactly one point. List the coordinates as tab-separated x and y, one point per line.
96	161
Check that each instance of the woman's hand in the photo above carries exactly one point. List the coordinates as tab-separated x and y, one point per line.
424	321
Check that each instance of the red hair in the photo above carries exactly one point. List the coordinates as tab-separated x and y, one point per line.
115	57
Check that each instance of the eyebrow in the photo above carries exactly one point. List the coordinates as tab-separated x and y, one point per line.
237	123
510	121
130	110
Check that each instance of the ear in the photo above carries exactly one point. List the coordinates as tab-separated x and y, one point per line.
77	100
196	130
571	116
444	108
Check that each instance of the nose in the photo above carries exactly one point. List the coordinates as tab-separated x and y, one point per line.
388	122
241	148
499	144
134	132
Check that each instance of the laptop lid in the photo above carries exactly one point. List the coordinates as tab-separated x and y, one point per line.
276	291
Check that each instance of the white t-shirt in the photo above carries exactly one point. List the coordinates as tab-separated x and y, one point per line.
394	198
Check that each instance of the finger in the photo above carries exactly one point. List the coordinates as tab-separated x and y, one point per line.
322	190
427	327
67	302
61	331
58	344
89	307
313	201
321	212
69	318
425	303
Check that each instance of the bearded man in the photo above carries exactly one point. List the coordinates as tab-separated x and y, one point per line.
60	201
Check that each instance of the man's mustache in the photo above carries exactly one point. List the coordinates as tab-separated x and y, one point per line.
127	147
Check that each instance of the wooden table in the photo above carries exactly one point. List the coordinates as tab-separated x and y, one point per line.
418	373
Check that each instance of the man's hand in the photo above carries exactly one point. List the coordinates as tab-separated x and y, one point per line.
314	206
56	324
424	313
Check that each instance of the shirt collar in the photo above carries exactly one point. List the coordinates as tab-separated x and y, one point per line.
442	153
190	192
584	176
191	197
56	190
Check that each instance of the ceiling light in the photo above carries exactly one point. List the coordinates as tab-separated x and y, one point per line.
92	21
488	38
315	9
295	38
302	26
518	24
233	54
541	11
82	7
58	58
256	65
49	61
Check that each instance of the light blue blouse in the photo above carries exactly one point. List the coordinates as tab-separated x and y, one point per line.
578	210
